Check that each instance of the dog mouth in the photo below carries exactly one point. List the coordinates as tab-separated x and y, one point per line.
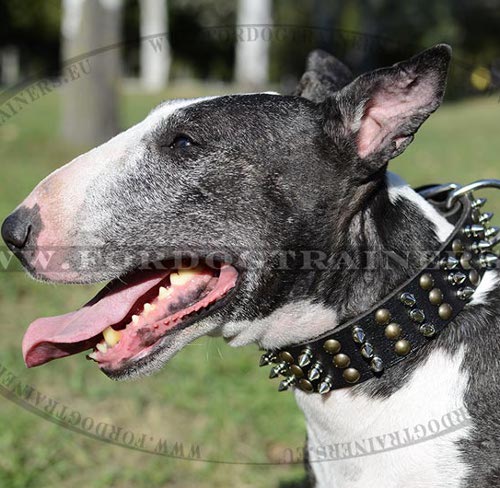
125	322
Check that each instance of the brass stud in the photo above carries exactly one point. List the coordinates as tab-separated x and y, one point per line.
465	260
402	347
474	277
305	385
426	282
351	375
393	331
382	316
332	346
286	356
436	296
457	246
341	360
296	371
445	311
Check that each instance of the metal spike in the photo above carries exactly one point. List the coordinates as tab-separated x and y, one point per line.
277	370
465	293
267	358
474	230
367	350
358	335
408	299
492	232
286	383
377	365
485	217
480	246
448	263
488	260
479	202
456	278
325	386
315	372
305	358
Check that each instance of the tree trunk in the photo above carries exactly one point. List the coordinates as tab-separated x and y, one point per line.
252	45
90	94
10	65
155	51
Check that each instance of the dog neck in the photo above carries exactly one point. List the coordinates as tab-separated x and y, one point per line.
384	415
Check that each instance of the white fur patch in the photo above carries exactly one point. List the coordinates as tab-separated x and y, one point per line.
490	281
292	323
398	188
344	418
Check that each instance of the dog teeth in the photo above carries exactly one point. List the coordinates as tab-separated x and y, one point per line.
148	307
135	319
182	276
102	347
164	292
92	355
111	336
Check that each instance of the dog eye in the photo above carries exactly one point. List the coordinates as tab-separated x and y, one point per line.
181	141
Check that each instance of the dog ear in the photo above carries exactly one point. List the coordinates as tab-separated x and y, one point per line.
381	111
324	75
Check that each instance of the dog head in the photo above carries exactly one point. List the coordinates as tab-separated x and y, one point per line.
225	186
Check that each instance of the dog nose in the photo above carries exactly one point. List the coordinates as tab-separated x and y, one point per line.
15	231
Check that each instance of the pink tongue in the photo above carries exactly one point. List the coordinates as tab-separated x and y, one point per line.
55	337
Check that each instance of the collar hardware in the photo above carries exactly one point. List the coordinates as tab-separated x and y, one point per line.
411	316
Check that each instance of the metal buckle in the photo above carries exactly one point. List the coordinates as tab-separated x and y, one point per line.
439	190
468	189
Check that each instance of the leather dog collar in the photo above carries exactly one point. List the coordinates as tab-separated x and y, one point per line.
403	322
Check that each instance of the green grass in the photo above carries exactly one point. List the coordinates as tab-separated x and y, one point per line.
209	395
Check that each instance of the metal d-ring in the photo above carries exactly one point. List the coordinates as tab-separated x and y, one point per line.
464	190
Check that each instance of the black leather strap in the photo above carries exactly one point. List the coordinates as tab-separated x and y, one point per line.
419	310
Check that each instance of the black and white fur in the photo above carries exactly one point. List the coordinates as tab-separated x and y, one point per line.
267	173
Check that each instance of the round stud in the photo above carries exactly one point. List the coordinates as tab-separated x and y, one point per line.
474	277
465	260
457	246
402	347
436	296
332	346
445	311
286	356
393	331
351	375
427	330
341	360
382	316
296	371
426	282
306	385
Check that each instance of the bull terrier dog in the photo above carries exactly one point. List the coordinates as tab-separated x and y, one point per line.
256	217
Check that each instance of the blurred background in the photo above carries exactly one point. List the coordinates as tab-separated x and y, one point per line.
75	72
